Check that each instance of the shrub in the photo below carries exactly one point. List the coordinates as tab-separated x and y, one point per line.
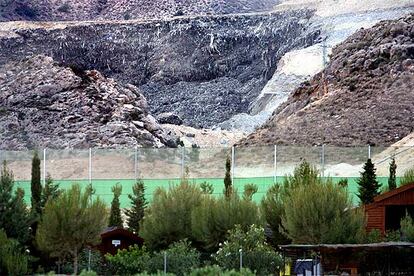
303	175
249	191
321	213
256	254
216	270
129	261
168	218
392	236
272	209
214	217
343	183
407	228
408	177
181	259
373	236
97	263
13	261
207	188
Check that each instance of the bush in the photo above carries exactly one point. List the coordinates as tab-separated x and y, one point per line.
407	228
321	213
181	259
13	261
393	236
373	236
168	218
272	209
303	175
97	264
216	270
408	177
129	261
256	254
214	217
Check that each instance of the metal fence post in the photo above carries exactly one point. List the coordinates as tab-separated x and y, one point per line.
369	151
165	262
241	258
90	166
232	164
89	259
135	163
323	160
275	164
44	166
182	162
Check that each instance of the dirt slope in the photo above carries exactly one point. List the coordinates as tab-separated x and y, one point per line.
365	95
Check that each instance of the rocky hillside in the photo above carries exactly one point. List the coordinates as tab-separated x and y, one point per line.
205	69
46	105
80	10
365	95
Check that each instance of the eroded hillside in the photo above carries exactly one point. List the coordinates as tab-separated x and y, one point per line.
364	96
206	69
80	10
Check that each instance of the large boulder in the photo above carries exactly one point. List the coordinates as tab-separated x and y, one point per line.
169	118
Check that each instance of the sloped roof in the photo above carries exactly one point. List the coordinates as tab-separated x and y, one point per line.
394	192
112	231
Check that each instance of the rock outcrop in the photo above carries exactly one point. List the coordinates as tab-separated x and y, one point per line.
169	118
58	10
46	105
364	96
204	69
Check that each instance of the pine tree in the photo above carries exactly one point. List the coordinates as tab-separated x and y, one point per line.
228	189
392	180
115	218
14	217
69	223
36	187
50	191
138	205
368	184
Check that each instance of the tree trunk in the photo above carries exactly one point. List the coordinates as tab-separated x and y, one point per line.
75	262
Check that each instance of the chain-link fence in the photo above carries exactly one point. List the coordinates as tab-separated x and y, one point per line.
163	167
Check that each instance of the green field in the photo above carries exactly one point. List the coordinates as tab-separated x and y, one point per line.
103	186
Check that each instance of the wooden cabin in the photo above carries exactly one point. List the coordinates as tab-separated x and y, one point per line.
387	210
114	238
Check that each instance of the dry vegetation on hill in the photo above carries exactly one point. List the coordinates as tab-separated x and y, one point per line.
367	97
